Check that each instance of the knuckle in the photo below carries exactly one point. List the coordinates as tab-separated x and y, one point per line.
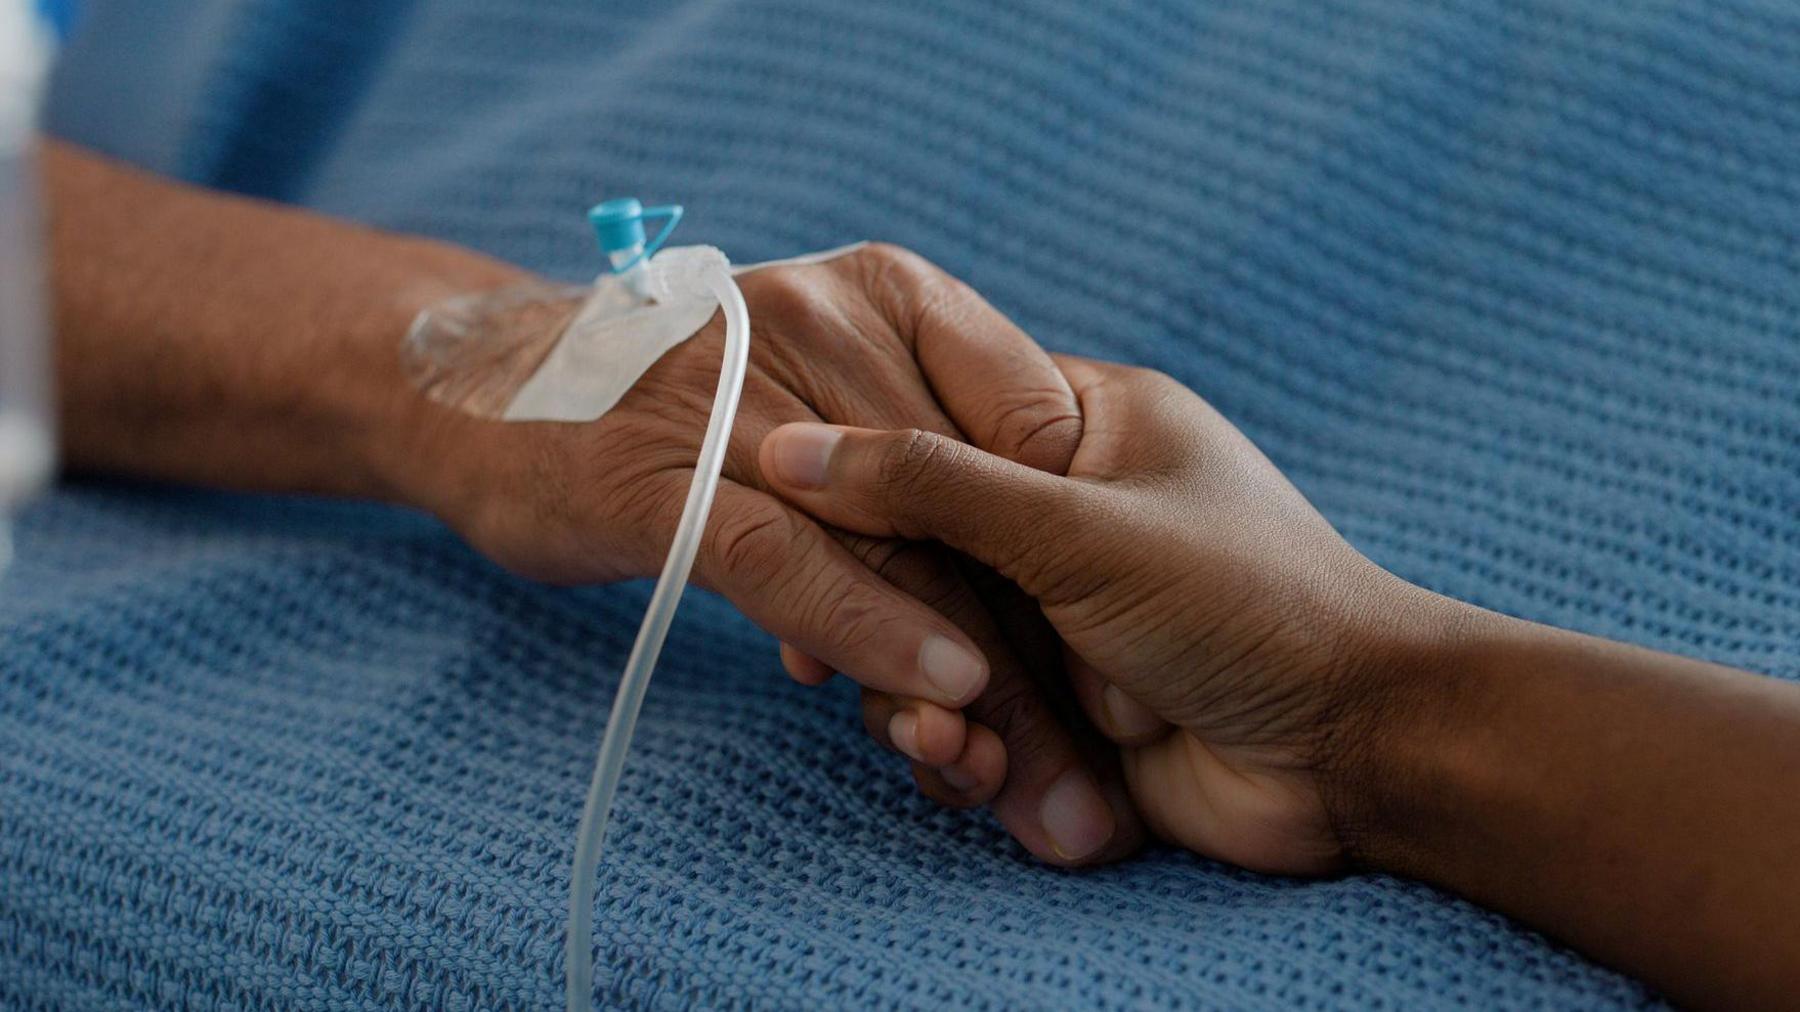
752	542
785	294
894	275
853	618
1011	709
891	256
1038	428
1152	380
907	459
919	571
795	317
892	560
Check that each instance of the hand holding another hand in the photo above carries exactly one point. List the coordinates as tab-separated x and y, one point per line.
159	284
1282	703
877	337
1217	628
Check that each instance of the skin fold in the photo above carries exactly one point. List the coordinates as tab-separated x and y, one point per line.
1280	702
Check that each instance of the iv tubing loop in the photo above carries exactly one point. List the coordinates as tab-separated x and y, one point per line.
578	944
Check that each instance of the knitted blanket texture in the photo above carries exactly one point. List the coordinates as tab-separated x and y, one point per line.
1511	290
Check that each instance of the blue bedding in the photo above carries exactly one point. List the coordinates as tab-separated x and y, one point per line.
1511	290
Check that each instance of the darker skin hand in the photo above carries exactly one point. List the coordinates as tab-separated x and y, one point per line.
1280	702
1214	661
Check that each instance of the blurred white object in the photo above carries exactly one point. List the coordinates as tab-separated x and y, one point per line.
27	41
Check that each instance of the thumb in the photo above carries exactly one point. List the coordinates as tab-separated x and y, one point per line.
920	485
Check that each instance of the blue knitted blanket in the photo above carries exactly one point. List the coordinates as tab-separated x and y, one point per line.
1511	290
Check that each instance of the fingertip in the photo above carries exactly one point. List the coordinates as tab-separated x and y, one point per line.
954	668
976	776
804	668
1077	820
939	734
1113	712
1127	721
903	731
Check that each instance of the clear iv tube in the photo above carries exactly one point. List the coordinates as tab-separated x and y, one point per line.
578	944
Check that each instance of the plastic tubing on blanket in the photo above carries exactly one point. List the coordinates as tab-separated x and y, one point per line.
677	273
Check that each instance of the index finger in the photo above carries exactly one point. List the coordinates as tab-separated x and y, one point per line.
1003	390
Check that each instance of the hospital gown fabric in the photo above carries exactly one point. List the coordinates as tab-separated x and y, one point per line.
1511	290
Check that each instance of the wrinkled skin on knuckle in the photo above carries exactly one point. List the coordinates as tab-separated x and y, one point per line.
879	554
854	617
921	296
891	559
788	294
808	338
1037	427
751	542
886	268
1010	707
793	313
914	568
754	543
903	285
904	470
829	335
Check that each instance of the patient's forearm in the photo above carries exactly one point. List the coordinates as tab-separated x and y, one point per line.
211	338
1642	807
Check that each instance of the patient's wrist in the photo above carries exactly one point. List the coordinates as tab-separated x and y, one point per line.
410	448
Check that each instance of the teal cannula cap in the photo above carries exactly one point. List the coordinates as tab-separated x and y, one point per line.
619	225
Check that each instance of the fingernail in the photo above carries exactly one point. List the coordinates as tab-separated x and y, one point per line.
1075	816
1128	717
903	729
959	778
802	454
954	671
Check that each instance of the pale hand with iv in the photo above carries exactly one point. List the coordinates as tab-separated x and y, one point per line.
631	316
634	314
542	352
872	335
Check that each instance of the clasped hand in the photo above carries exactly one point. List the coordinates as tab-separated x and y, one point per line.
959	670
